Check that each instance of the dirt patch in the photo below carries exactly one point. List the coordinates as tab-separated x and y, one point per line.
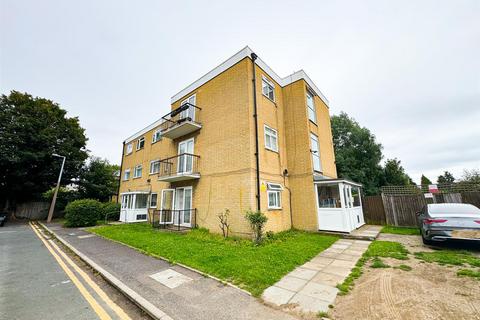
428	291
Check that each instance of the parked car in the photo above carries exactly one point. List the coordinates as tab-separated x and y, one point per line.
449	221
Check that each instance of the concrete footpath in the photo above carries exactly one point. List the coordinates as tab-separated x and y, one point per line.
177	292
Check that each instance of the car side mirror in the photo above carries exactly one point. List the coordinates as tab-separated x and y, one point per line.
418	213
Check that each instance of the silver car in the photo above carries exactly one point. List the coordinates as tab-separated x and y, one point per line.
449	221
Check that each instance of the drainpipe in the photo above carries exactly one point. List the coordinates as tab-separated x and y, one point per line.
121	168
255	116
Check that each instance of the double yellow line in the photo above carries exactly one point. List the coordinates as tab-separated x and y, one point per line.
99	310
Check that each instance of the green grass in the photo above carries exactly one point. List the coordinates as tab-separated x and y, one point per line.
469	273
378	263
404	267
377	249
449	257
400	230
238	261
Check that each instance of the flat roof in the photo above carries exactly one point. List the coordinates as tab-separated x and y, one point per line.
237	57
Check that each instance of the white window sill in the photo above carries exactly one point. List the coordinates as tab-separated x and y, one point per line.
276	151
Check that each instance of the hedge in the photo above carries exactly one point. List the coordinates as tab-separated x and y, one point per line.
82	213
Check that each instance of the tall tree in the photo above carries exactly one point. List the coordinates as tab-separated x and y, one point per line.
98	179
447	177
357	153
31	130
394	173
471	176
424	180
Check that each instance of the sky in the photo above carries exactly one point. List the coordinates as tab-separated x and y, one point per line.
407	70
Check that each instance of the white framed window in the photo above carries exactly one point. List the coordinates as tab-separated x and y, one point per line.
315	149
140	143
137	172
268	88
129	148
126	174
157	135
312	112
154	166
153	200
274	195
271	140
189	113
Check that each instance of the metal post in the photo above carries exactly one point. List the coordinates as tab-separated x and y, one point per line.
52	205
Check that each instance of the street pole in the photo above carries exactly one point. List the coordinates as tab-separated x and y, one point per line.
52	205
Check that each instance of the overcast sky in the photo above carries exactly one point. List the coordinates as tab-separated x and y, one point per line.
407	70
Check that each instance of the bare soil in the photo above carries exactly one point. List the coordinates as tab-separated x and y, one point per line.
428	291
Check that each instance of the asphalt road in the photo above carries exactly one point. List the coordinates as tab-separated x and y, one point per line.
39	280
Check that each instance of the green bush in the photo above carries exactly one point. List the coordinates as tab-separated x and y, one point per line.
110	211
64	197
82	213
257	221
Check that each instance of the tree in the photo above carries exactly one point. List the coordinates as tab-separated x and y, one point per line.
446	178
31	129
394	173
425	181
98	179
471	176
357	153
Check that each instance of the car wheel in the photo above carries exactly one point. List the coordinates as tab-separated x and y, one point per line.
426	241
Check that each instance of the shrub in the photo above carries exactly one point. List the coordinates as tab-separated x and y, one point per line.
257	221
82	213
110	211
224	223
64	196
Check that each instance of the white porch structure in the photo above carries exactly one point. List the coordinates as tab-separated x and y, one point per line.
339	205
134	206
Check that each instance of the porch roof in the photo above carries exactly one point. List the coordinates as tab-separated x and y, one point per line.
318	180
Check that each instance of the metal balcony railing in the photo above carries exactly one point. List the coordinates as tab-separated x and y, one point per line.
180	121
179	167
175	219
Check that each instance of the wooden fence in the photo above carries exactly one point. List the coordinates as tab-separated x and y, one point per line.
400	210
32	210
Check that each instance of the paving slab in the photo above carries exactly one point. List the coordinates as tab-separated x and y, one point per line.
315	286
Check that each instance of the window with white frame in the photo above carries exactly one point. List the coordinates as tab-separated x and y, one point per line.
315	149
154	166
268	88
274	195
271	141
129	148
312	113
140	143
157	135
153	200
137	173
126	174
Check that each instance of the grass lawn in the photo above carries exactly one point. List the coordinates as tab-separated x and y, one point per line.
238	261
400	230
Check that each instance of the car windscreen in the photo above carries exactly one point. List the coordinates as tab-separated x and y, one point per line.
446	209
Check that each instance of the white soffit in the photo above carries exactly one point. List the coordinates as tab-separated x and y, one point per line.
246	52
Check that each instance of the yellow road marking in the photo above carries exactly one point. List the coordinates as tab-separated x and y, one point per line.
102	314
119	311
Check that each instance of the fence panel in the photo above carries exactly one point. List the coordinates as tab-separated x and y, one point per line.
373	210
472	198
401	210
32	210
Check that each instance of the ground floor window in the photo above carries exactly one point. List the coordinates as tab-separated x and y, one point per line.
141	201
328	196
274	195
141	217
153	200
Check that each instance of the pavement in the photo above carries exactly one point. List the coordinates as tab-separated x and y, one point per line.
32	283
178	292
311	288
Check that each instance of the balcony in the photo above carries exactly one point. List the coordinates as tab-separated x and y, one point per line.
179	168
180	121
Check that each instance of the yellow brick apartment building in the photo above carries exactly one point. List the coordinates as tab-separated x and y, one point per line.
238	138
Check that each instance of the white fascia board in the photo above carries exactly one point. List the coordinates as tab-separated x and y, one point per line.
239	56
144	130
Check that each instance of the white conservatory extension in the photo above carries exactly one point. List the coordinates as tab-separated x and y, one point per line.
339	205
134	206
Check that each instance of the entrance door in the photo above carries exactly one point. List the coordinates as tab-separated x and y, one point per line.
185	159
167	206
331	212
190	112
183	206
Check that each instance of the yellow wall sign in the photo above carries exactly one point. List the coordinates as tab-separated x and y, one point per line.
263	187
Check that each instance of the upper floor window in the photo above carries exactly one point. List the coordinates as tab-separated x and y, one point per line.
126	174
129	148
268	89
154	166
189	113
271	141
274	195
140	143
312	113
137	173
157	135
315	149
